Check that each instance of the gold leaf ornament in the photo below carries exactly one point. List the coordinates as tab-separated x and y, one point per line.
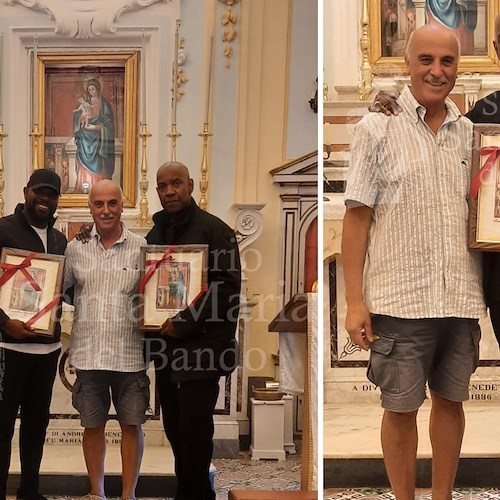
229	33
229	19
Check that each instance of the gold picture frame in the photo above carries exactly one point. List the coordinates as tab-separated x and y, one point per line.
172	277
383	65
484	200
87	114
30	288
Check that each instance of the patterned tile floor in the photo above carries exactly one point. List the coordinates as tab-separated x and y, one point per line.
244	473
420	494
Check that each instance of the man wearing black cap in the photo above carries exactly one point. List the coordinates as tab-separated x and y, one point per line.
28	361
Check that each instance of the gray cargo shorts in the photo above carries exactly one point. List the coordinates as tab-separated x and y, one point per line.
94	389
440	352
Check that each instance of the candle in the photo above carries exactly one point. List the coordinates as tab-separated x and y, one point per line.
143	79
1	64
35	80
174	75
210	64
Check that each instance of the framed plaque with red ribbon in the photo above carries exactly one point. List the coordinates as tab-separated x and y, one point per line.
30	287
172	278
484	199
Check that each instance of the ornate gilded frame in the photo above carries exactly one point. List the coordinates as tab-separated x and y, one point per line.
94	63
385	66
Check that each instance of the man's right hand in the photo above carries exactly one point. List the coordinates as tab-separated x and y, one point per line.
385	102
359	326
18	330
85	232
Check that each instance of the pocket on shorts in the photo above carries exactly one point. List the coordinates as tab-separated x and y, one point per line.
382	367
75	394
144	383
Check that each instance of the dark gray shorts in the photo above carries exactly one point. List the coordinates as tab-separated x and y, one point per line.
94	389
442	352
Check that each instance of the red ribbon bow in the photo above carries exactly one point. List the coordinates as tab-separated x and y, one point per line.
11	269
494	153
154	266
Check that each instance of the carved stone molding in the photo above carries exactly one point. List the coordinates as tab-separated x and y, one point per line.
85	18
248	224
247	227
229	20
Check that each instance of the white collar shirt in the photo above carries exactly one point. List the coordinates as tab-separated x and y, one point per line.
417	264
104	334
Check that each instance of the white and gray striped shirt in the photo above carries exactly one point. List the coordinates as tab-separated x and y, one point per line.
418	264
105	334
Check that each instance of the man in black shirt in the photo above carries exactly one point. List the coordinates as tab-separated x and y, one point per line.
200	344
28	361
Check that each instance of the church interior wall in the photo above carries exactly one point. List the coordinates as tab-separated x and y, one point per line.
255	113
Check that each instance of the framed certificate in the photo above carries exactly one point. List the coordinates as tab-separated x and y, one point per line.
484	200
30	287
172	277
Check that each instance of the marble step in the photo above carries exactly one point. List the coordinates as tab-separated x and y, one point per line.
353	454
63	471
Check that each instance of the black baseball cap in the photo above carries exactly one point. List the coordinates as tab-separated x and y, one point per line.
45	178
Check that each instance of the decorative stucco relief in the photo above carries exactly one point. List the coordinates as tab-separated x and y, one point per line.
248	224
181	77
229	20
85	18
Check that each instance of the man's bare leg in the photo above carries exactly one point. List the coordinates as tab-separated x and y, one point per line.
94	451
399	444
132	447
447	424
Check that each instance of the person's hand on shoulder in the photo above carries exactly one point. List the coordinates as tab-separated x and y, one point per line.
18	329
84	233
386	102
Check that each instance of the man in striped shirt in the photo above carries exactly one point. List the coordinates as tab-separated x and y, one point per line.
106	347
413	289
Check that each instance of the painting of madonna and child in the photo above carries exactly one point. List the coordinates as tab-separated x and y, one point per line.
84	126
468	18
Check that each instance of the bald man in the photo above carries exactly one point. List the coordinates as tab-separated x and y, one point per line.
106	347
486	110
197	345
413	290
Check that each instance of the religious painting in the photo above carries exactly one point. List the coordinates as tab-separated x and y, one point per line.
30	287
87	108
391	23
484	201
172	278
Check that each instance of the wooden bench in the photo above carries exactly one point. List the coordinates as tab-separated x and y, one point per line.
272	495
